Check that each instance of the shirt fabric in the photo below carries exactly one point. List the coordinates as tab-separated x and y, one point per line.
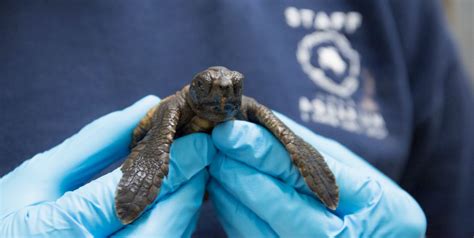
381	77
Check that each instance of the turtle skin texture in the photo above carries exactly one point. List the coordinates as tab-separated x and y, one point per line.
214	96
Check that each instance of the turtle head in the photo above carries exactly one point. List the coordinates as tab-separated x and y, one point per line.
215	94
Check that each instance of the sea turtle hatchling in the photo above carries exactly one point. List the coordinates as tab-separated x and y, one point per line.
214	96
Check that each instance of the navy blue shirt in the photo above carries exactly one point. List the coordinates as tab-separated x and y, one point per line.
381	77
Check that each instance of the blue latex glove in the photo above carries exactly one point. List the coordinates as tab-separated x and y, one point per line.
41	197
258	192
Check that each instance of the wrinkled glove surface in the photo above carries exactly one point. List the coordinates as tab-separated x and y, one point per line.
258	192
46	195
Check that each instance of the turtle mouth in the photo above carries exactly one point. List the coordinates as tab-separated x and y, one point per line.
227	109
223	100
220	112
222	106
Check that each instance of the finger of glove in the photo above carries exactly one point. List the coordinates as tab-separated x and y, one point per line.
236	219
173	214
335	150
288	212
256	147
65	167
383	205
92	205
94	147
97	145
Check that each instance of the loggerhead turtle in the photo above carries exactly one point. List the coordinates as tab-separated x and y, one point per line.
214	96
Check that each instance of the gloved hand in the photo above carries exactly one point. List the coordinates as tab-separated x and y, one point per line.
41	197
258	192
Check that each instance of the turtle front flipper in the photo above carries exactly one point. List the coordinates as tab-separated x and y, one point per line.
143	127
146	166
309	161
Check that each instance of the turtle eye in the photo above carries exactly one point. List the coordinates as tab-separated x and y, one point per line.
202	85
236	76
199	83
237	81
228	74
